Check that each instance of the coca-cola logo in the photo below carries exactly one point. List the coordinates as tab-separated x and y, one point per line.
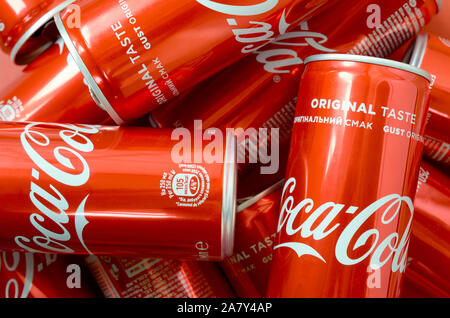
393	245
68	168
280	55
10	262
259	34
240	10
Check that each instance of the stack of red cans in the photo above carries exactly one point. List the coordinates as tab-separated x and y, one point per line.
222	149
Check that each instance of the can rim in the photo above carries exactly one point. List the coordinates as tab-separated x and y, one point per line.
94	89
420	46
248	203
36	26
369	60
229	195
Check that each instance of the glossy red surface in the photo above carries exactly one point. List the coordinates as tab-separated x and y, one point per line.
347	206
163	48
24	18
157	278
437	54
256	93
50	89
254	182
427	274
109	190
10	69
28	275
429	249
248	268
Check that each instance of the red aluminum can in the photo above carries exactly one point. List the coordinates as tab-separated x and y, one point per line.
429	249
427	274
120	277
115	191
248	268
347	203
41	91
144	66
21	24
431	53
29	275
266	96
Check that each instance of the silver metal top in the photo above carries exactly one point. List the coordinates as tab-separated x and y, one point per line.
420	46
369	60
36	26
94	89
229	195
260	195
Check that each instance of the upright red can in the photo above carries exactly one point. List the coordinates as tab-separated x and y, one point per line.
129	51
347	203
29	275
248	268
20	24
115	191
120	277
41	91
